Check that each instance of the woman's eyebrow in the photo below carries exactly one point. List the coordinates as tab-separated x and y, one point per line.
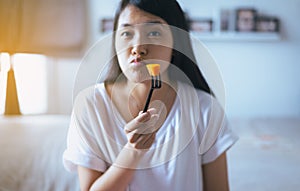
153	22
126	25
147	22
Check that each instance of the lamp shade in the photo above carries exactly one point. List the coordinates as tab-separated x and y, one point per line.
9	24
51	27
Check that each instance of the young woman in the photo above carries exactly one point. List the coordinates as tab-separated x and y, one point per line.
113	145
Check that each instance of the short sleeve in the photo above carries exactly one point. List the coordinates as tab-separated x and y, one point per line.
78	152
217	136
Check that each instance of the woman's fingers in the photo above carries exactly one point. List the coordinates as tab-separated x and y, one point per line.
134	137
141	120
147	142
150	110
136	122
141	141
141	130
144	141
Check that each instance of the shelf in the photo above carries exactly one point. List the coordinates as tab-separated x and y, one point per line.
238	36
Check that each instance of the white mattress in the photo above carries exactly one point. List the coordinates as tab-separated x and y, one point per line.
31	154
31	149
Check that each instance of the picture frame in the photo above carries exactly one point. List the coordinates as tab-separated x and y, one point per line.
246	19
201	25
267	24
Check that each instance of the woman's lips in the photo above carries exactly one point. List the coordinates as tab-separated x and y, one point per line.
137	62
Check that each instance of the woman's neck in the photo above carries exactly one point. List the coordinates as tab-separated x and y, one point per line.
130	97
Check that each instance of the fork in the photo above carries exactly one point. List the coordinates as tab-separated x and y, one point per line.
155	84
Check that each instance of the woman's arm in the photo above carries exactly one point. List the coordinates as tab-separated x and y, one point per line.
87	177
215	177
118	176
115	178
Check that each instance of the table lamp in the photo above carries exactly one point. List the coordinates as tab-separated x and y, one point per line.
50	27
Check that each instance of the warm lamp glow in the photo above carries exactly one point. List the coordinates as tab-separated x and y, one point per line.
31	81
4	67
5	62
31	78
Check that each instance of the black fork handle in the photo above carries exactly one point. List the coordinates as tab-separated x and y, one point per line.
148	100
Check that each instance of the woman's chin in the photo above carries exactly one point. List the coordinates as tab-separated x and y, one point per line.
138	77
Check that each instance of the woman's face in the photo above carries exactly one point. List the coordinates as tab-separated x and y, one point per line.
142	38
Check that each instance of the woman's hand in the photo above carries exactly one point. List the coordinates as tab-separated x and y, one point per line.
141	130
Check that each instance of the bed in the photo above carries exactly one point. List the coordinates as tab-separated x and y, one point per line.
266	157
31	154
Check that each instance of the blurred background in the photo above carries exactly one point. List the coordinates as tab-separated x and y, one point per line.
255	44
260	72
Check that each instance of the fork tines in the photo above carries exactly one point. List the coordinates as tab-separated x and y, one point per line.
156	82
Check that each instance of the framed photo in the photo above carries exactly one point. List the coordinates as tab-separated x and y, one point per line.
107	25
245	19
201	25
267	24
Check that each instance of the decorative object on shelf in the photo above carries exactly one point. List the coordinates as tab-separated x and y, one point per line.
245	19
238	24
267	24
107	25
228	24
238	36
226	20
201	25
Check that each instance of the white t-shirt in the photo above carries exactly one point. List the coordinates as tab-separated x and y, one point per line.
194	133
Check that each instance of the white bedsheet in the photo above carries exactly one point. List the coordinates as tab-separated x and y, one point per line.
31	149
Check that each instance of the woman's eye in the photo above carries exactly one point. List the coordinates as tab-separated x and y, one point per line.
154	33
126	34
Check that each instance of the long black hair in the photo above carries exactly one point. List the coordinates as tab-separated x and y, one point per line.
171	12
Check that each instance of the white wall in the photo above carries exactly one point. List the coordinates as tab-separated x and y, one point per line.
261	78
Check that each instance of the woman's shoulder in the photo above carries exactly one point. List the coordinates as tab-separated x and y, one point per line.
188	89
91	93
206	101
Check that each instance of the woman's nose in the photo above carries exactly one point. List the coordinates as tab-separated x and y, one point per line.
139	50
